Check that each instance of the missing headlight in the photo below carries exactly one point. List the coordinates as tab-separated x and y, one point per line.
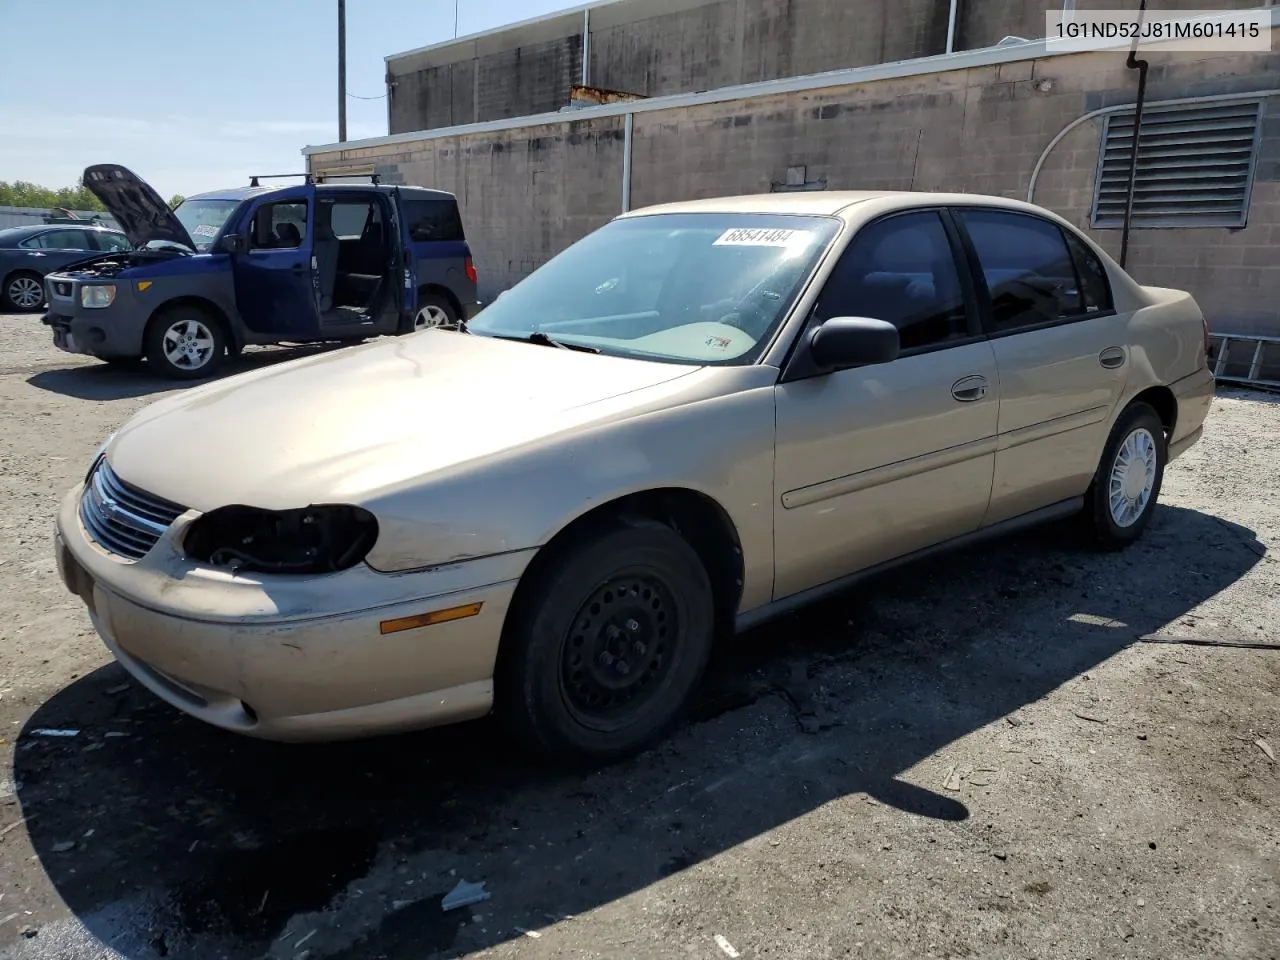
316	539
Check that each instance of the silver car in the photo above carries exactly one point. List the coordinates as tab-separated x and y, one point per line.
698	417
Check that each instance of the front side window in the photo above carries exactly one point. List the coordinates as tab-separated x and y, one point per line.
1029	271
204	219
901	270
683	288
280	226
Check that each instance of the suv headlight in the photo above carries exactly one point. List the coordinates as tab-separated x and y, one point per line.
97	295
316	539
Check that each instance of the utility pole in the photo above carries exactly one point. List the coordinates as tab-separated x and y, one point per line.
342	71
455	19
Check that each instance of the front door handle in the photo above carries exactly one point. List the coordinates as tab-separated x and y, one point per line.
968	389
1112	357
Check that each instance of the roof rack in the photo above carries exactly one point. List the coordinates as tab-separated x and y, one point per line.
253	180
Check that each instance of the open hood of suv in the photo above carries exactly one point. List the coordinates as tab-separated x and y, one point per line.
142	215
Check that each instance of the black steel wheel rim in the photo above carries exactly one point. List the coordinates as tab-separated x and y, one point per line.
618	650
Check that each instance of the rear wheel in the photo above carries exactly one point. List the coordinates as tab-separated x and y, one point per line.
608	643
1124	491
185	343
23	291
434	310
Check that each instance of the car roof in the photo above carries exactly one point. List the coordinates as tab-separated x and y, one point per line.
240	193
831	203
31	230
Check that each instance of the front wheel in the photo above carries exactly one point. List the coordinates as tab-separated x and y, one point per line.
24	291
1124	491
608	643
184	343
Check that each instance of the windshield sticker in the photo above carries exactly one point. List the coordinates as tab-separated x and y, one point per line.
204	230
762	237
721	342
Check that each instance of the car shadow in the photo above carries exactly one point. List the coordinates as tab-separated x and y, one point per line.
103	381
166	837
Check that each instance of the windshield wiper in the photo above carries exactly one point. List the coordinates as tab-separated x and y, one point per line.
542	340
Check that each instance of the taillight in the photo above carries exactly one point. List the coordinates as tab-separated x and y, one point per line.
471	272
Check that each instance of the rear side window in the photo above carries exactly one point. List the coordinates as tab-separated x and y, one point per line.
1028	268
1095	288
902	270
433	218
113	242
348	219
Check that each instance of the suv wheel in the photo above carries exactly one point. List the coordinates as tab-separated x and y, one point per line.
608	644
1123	494
433	311
185	343
23	291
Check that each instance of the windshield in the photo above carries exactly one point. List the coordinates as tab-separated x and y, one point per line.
204	218
684	288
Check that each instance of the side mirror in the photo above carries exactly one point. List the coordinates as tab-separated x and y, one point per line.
231	243
854	342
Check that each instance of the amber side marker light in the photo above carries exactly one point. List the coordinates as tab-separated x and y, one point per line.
429	619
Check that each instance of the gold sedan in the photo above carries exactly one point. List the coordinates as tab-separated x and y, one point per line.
698	417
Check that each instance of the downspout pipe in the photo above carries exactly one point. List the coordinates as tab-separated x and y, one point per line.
951	26
1133	63
629	126
586	47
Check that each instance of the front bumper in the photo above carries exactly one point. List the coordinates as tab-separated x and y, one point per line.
302	658
114	331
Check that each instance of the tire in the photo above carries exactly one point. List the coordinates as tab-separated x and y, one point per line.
1137	439
173	356
434	310
19	288
582	674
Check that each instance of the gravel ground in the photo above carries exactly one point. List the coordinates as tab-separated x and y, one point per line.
976	757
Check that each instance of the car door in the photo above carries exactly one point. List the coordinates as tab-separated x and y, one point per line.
58	247
876	462
273	271
1061	351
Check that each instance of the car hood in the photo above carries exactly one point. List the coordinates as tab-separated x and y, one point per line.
141	213
350	423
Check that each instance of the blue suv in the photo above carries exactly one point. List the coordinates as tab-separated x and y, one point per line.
306	263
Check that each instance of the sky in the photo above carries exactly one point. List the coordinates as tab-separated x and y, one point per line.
198	95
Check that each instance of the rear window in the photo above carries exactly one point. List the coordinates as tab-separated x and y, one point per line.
433	218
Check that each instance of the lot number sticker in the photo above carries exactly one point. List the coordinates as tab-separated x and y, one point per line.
762	237
204	230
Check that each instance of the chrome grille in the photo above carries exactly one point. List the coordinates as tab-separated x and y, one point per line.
121	518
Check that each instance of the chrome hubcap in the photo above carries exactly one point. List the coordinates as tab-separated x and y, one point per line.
431	316
1133	477
26	293
188	344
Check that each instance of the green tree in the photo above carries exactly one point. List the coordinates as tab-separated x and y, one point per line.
21	193
176	199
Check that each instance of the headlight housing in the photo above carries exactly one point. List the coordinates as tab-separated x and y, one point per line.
97	295
322	538
98	455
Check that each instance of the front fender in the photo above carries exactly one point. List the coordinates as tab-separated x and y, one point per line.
721	447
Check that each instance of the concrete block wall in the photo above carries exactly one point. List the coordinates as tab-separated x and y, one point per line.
528	193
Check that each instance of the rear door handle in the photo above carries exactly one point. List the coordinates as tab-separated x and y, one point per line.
1112	357
968	389
298	269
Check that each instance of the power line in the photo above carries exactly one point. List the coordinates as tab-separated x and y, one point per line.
357	97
